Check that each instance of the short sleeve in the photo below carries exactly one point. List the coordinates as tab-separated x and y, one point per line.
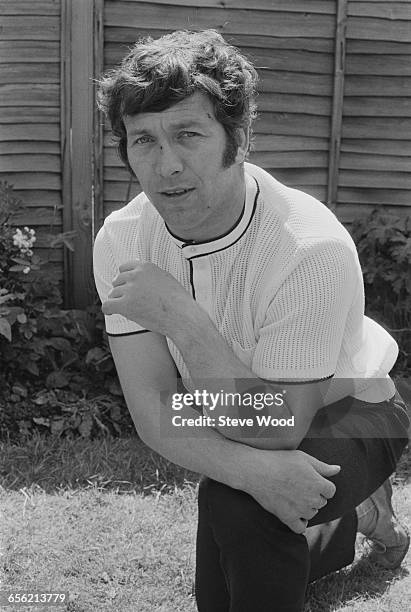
105	269
304	325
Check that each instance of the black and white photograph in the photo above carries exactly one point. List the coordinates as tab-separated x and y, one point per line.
205	305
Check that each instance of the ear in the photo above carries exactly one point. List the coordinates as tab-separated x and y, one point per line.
243	140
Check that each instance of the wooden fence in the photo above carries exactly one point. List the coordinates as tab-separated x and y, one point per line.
30	153
334	103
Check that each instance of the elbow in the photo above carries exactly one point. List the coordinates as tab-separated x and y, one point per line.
142	424
146	434
143	428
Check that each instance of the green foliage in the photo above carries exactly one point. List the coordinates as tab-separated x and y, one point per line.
80	415
35	334
384	247
44	348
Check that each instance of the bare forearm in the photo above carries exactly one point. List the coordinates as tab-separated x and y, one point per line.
214	367
197	448
205	352
286	483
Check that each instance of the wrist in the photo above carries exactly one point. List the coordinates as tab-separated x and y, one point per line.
191	326
178	315
244	478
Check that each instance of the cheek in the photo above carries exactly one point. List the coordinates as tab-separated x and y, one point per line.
141	167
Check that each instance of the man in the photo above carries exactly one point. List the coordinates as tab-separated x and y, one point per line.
218	273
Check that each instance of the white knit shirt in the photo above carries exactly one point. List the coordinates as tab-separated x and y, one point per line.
284	287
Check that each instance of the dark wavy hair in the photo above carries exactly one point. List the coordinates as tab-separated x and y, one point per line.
156	74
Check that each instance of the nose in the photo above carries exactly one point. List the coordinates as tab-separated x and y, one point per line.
169	162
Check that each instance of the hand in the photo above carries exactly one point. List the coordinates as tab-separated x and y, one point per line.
291	485
148	295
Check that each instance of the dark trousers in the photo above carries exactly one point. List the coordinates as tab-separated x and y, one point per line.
248	560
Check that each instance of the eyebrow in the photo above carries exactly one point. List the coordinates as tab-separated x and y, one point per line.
181	124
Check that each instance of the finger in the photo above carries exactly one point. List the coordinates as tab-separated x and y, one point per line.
301	525
110	307
115	293
120	279
128	266
325	469
297	525
328	489
311	513
321	502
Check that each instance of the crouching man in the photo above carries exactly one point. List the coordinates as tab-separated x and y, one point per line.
220	275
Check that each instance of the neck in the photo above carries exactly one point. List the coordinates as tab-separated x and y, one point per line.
219	224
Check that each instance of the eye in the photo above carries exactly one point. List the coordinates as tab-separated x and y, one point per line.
188	134
142	140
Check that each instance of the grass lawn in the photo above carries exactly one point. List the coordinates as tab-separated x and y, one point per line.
114	524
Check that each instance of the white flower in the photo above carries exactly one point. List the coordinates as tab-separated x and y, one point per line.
24	241
26	270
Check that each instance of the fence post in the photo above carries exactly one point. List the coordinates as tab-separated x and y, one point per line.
98	168
338	103
79	139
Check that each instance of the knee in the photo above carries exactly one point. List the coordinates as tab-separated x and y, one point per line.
224	502
235	512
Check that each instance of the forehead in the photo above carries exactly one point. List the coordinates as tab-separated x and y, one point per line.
198	108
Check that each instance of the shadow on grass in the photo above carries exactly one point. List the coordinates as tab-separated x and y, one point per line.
360	580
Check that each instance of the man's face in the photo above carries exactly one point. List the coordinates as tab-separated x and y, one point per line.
177	156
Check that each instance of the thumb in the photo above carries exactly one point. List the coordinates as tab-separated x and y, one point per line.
325	469
107	307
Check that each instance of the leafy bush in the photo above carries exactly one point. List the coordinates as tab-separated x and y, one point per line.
384	247
30	299
45	350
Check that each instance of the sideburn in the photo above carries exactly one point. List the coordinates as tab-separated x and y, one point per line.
230	150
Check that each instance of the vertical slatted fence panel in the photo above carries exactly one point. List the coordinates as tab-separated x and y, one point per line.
30	114
292	46
375	163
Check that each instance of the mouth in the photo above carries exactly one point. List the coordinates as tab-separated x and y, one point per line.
177	192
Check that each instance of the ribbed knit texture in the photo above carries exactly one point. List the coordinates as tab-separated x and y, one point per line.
287	295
